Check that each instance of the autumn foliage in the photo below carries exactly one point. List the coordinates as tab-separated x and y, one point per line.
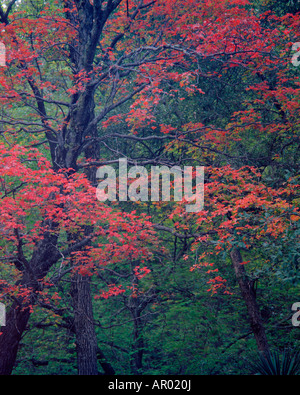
86	83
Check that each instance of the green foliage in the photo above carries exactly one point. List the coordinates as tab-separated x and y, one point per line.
281	7
274	364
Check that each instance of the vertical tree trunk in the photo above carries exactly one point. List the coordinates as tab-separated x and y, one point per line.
138	344
136	305
88	353
248	293
86	341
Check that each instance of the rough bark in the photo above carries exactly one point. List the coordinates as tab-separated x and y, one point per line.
249	296
16	322
86	341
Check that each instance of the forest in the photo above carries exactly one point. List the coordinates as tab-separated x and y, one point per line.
190	281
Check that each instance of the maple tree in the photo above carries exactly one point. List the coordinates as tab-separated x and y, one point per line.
81	89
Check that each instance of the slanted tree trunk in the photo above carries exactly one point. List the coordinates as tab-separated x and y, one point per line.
44	257
16	322
249	296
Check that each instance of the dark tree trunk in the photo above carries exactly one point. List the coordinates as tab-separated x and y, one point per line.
106	366
44	257
136	306
249	296
16	322
86	341
88	353
138	344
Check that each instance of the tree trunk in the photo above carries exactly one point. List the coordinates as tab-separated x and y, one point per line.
248	293
16	322
138	344
86	341
136	306
44	257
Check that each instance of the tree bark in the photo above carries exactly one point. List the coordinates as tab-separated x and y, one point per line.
249	296
16	321
86	341
44	257
136	305
138	344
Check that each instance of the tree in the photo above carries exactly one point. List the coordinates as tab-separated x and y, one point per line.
77	71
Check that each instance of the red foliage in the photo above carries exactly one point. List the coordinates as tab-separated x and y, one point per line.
173	34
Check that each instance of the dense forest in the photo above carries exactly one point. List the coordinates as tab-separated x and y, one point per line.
146	286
